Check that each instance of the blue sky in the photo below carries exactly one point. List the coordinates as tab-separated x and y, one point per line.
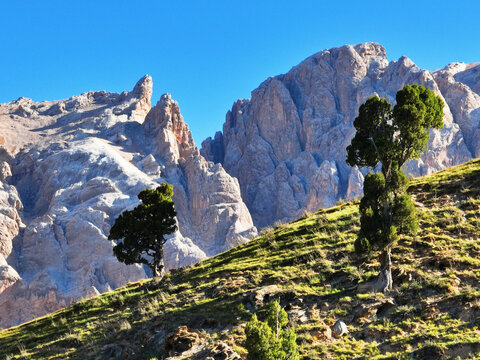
207	54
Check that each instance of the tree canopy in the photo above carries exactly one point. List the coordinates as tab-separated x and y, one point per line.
142	231
394	137
389	138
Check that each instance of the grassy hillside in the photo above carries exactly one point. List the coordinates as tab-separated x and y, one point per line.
309	264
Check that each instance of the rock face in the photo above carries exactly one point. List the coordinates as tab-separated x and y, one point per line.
207	199
10	206
287	144
67	170
460	85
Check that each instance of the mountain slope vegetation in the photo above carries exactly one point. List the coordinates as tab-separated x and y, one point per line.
311	267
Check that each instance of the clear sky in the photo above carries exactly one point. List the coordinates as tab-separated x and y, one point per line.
206	53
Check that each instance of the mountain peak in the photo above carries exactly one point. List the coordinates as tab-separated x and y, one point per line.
143	93
143	88
166	121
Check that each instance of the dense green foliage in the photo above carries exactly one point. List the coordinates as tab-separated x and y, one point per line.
393	137
389	138
270	340
142	230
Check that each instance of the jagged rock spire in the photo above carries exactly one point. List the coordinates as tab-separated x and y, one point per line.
173	138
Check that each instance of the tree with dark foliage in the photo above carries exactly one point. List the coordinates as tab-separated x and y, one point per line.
142	231
390	138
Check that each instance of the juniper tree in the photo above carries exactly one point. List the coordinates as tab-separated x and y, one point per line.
270	340
142	231
390	138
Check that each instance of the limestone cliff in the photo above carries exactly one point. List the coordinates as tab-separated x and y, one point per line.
286	145
68	168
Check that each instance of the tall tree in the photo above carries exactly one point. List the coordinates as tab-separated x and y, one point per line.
389	139
142	231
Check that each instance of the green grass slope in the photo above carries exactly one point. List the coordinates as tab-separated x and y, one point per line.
311	267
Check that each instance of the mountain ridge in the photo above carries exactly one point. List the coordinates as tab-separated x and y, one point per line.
297	125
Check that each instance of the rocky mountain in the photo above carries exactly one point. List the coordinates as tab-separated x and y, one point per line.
286	145
68	168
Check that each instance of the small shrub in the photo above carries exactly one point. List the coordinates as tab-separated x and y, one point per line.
117	299
406	310
124	325
23	352
268	233
71	339
340	202
270	340
468	293
151	306
278	224
305	215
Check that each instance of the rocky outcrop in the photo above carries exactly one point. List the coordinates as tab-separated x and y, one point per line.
11	223
78	164
460	85
206	197
287	144
185	343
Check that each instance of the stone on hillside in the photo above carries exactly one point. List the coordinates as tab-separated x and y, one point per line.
264	295
339	329
221	351
182	341
297	315
386	308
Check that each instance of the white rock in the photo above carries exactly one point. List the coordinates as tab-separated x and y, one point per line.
355	184
339	329
5	171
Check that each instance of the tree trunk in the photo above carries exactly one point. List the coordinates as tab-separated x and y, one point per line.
385	275
158	264
383	282
158	267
